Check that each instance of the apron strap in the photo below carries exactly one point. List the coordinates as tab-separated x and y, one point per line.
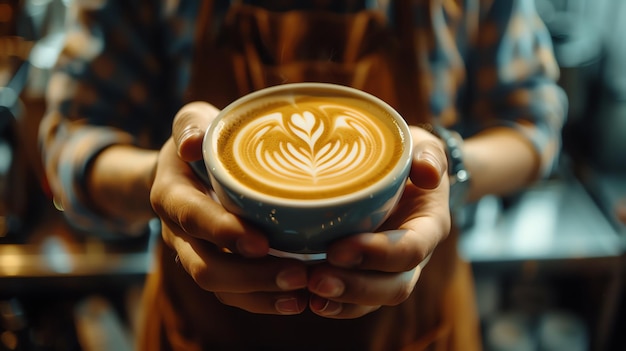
207	83
409	72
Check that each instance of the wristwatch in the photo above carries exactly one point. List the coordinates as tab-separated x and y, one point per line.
459	175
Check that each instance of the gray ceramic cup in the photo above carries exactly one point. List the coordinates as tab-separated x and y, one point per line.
308	163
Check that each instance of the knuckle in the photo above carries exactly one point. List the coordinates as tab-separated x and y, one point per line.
413	255
402	293
221	231
156	198
420	256
185	218
202	275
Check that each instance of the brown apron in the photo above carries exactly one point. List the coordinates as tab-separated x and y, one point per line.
256	48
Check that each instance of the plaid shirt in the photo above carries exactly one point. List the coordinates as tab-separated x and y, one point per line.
125	66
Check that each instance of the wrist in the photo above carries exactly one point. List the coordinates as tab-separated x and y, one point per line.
119	182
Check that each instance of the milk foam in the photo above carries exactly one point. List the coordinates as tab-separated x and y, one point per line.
312	148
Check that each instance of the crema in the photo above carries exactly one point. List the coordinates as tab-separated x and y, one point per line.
309	147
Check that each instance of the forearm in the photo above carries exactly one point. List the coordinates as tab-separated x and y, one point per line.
119	181
501	161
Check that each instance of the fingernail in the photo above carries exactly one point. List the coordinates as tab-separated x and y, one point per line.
432	159
325	307
329	287
292	279
287	305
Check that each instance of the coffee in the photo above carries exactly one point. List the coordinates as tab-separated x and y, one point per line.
309	146
308	163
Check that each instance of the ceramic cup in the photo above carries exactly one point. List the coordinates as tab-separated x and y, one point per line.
308	163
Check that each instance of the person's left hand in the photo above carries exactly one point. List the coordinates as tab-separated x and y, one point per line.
370	270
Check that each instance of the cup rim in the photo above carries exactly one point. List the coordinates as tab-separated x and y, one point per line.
214	168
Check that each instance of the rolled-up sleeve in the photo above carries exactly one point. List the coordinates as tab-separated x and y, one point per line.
513	75
103	89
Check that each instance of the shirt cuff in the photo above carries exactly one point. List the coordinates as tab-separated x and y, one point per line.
71	196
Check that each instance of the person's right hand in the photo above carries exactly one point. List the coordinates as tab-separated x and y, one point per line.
203	233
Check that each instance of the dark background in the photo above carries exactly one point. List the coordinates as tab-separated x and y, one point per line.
549	262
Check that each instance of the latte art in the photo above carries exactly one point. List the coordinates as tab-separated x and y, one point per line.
311	147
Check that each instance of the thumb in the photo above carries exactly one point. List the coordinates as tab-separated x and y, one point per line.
430	163
189	126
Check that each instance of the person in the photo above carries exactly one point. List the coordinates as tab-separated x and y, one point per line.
138	82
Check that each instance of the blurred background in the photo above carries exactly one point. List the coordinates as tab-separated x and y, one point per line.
549	262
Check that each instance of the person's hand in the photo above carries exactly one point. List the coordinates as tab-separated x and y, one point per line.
220	252
370	270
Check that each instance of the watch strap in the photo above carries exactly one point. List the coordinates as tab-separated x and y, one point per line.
459	175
